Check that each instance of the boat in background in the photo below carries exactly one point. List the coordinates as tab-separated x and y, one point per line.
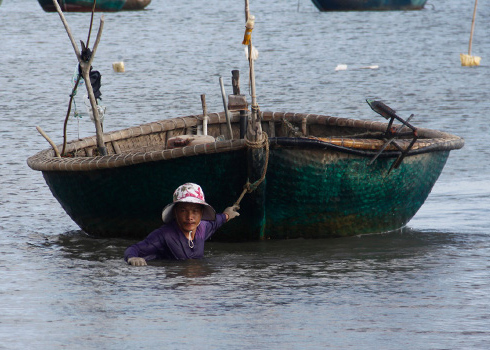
322	176
368	5
100	6
83	5
134	5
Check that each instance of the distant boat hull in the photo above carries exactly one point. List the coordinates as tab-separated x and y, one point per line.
83	5
132	5
368	5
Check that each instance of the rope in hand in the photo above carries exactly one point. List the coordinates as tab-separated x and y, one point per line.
248	187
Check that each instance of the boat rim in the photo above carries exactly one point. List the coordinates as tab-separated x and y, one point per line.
47	161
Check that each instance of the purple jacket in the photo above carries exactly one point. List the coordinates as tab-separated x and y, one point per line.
168	242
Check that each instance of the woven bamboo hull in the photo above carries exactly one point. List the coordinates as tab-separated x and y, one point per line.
127	202
368	5
321	194
83	5
314	188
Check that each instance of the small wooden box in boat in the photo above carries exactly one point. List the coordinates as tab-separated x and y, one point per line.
189	140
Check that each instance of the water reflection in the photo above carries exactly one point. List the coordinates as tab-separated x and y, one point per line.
401	250
77	245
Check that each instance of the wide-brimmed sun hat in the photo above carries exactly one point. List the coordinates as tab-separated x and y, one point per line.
189	193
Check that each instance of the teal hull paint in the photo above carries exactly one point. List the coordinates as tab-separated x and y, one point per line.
307	193
312	195
83	5
127	202
368	5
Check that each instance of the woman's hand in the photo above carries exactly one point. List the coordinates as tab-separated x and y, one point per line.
137	261
231	212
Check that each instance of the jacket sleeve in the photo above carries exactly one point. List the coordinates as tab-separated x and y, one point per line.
213	226
148	248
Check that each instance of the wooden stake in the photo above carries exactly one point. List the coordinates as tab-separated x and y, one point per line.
254	132
204	115
246	10
227	113
472	27
235	82
86	76
49	140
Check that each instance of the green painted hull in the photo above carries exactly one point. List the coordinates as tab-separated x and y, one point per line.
313	188
83	5
316	194
127	202
312	194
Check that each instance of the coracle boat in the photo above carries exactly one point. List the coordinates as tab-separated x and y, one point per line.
368	5
322	176
133	5
83	5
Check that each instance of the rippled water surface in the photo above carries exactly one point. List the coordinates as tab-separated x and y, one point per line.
424	287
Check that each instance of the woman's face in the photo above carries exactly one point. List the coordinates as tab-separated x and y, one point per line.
188	215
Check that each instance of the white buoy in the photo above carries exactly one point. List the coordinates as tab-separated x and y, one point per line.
118	67
369	67
344	67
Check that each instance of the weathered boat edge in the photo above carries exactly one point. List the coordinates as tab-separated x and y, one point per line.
45	160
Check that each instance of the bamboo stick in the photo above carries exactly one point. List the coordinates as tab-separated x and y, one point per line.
85	73
255	132
235	82
227	113
49	140
472	28
205	117
246	10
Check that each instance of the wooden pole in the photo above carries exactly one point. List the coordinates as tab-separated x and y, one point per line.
72	95
235	82
255	131
204	115
472	28
246	10
227	113
86	76
49	140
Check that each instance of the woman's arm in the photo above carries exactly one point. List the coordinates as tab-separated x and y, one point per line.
138	253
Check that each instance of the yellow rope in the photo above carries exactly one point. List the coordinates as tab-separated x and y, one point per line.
248	187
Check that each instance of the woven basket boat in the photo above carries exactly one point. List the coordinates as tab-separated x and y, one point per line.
320	180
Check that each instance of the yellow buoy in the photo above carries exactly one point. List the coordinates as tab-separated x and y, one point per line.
249	27
118	67
468	60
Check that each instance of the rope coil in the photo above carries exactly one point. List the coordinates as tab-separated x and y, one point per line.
250	187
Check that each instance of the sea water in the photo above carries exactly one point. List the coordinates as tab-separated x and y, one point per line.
423	287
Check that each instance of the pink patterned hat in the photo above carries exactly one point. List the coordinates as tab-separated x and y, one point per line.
189	193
